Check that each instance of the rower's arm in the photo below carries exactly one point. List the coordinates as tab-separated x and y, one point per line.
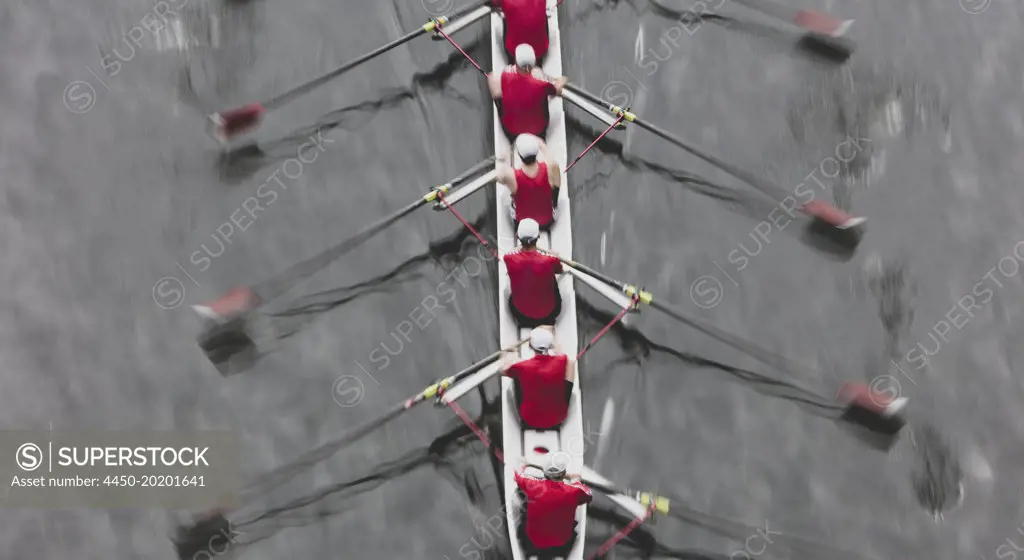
554	175
509	359
507	177
560	84
542	150
570	370
585	495
494	84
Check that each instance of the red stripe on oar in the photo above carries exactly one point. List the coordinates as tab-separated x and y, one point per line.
622	534
235	302
821	23
830	214
476	430
236	121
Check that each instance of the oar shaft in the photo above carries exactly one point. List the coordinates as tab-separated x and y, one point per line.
722	526
769	188
287	472
768	357
478	366
306	87
313	84
472	171
278	285
586	269
660	503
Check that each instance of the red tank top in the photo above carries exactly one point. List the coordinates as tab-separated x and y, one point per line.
551	509
524	102
532	278
526	22
533	196
542	381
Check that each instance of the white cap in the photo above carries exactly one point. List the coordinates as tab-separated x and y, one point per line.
525	56
541	339
557	466
527	145
555	471
528	230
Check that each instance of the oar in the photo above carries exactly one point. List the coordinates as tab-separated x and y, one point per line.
819	33
728	528
879	413
243	299
837	219
227	124
285	473
627	499
819	25
661	504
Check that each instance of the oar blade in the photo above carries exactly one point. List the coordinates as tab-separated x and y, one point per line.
223	127
824	24
877	416
848	226
244	299
836	49
235	302
229	346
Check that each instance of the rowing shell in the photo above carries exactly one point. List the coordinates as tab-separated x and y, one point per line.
539	447
566	444
518	444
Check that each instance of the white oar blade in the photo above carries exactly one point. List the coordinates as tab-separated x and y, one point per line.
618	298
470	188
473	381
627	503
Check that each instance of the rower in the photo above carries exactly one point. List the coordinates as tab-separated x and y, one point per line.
525	23
521	93
534	299
534	186
549	526
543	383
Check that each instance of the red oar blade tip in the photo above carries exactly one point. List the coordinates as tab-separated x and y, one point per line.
878	412
232	304
832	215
821	23
224	126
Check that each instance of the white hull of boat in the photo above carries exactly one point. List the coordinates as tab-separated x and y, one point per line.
538	447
